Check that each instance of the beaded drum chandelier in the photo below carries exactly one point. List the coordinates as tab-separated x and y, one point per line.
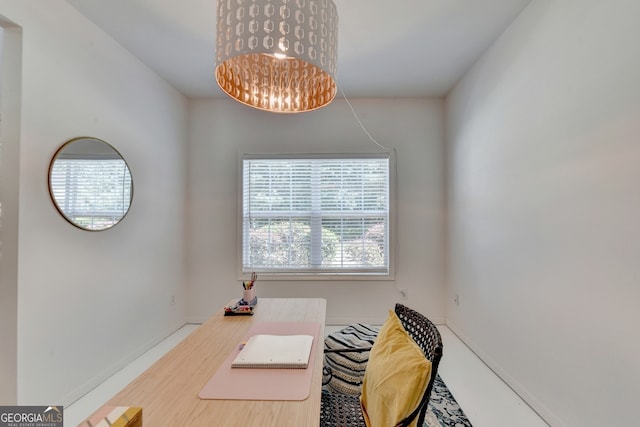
277	55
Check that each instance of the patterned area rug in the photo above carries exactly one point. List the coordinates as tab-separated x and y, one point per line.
347	370
444	410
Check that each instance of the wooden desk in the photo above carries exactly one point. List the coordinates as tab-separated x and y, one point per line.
168	390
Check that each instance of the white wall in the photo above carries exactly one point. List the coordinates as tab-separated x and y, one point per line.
543	172
90	301
221	129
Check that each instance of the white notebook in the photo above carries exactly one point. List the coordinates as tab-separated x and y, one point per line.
275	351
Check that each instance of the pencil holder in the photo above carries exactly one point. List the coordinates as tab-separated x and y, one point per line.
248	294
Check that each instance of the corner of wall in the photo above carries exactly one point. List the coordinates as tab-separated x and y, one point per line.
10	107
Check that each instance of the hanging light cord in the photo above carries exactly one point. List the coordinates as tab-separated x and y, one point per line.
395	169
359	121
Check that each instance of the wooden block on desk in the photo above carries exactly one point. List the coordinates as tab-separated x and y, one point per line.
115	416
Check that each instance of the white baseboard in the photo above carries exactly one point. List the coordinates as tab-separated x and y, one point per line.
547	415
109	371
350	320
377	320
197	320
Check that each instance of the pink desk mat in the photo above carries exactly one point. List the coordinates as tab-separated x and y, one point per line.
264	383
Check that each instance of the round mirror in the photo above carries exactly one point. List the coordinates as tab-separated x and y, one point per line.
90	184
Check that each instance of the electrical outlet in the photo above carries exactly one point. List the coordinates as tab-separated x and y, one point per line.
404	294
172	301
456	299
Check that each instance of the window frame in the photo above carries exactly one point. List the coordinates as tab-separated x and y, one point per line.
320	275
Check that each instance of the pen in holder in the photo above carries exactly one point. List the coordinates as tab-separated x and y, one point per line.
248	294
248	289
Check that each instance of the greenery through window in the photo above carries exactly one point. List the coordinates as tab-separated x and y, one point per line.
93	192
316	214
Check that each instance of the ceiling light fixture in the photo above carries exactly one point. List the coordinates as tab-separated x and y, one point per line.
277	55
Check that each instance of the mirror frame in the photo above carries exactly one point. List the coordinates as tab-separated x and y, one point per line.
53	198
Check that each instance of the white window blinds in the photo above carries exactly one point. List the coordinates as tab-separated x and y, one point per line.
316	215
93	192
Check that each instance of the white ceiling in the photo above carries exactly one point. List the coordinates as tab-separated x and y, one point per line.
400	48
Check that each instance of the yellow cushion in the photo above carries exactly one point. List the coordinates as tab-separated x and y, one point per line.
396	376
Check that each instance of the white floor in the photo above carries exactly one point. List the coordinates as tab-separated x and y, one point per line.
483	396
77	412
486	400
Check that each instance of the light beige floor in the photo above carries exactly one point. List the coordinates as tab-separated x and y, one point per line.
487	401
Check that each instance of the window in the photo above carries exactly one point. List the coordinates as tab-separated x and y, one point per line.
94	192
316	215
